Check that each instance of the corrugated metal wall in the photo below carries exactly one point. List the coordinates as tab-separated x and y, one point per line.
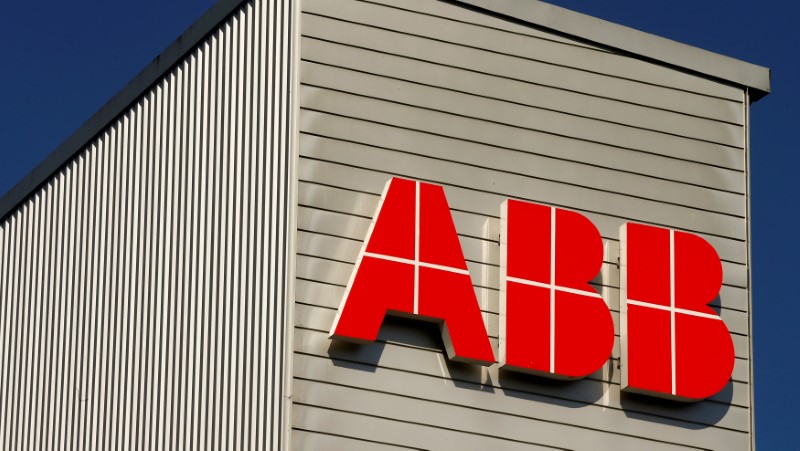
493	109
142	289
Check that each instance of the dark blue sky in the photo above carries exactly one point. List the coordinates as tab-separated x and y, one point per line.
61	61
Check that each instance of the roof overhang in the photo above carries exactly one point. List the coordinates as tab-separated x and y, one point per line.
644	45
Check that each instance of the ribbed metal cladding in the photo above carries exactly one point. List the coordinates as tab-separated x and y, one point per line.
143	287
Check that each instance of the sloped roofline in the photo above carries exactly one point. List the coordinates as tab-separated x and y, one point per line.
118	104
644	45
534	12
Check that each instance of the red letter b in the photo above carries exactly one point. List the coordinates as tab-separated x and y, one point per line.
673	344
552	322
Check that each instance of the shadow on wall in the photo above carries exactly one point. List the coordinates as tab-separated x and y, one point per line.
698	415
363	357
415	346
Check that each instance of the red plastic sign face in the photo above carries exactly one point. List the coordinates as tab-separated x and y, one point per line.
673	344
412	265
552	322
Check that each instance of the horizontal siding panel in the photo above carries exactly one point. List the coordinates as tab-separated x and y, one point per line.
409	435
484	61
504	135
501	136
456	418
555	103
371	92
476	406
302	439
331	126
482	111
434	20
359	167
516	115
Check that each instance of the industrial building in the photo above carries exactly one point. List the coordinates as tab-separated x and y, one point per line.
170	276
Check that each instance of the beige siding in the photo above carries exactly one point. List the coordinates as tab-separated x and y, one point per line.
142	287
491	110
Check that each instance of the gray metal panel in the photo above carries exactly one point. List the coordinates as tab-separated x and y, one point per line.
414	435
400	120
362	167
440	25
143	291
549	100
492	109
309	440
330	132
509	66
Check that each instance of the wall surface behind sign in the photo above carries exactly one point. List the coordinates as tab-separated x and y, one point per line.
492	109
142	287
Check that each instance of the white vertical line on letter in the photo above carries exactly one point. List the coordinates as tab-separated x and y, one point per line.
672	305
416	248
552	290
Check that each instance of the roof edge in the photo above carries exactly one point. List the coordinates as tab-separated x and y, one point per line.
629	40
118	104
535	12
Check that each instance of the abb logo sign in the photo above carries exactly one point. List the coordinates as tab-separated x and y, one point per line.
553	323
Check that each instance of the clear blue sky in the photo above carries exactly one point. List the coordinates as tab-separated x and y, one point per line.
61	61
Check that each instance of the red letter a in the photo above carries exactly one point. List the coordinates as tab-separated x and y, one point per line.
411	264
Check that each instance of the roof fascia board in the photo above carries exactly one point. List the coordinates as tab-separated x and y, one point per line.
651	47
118	104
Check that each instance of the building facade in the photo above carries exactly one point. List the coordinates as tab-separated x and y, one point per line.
170	275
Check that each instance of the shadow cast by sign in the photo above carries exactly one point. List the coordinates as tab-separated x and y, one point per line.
413	345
